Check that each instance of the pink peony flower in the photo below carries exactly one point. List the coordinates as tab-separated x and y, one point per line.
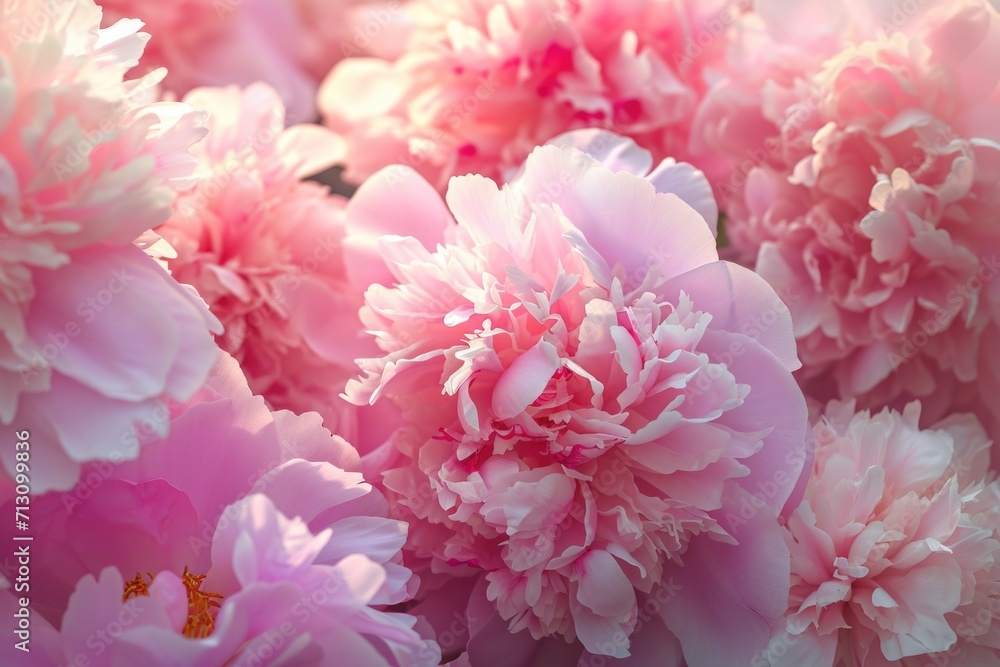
590	398
895	558
89	325
243	538
289	44
868	156
483	82
264	249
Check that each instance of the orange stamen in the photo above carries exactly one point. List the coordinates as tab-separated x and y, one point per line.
137	587
201	620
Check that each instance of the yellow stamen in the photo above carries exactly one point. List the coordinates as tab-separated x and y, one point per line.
200	621
136	587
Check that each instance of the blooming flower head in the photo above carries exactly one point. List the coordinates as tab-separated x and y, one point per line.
88	323
867	173
895	558
263	248
243	538
482	82
588	394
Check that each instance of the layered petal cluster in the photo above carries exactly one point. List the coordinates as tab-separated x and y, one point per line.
289	44
483	82
895	558
246	537
867	151
264	249
591	398
89	325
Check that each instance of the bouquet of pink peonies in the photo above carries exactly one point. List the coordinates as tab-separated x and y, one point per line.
500	333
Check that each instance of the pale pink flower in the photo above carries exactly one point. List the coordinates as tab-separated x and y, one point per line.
225	42
264	249
288	44
483	82
243	538
590	397
93	334
895	558
867	147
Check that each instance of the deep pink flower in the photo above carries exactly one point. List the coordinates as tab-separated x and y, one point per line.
868	161
590	397
89	325
244	537
895	558
483	82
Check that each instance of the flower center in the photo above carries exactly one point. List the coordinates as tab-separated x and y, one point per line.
201	619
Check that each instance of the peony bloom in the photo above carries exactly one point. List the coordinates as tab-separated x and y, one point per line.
591	398
289	44
483	82
243	538
89	325
868	162
895	558
263	248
